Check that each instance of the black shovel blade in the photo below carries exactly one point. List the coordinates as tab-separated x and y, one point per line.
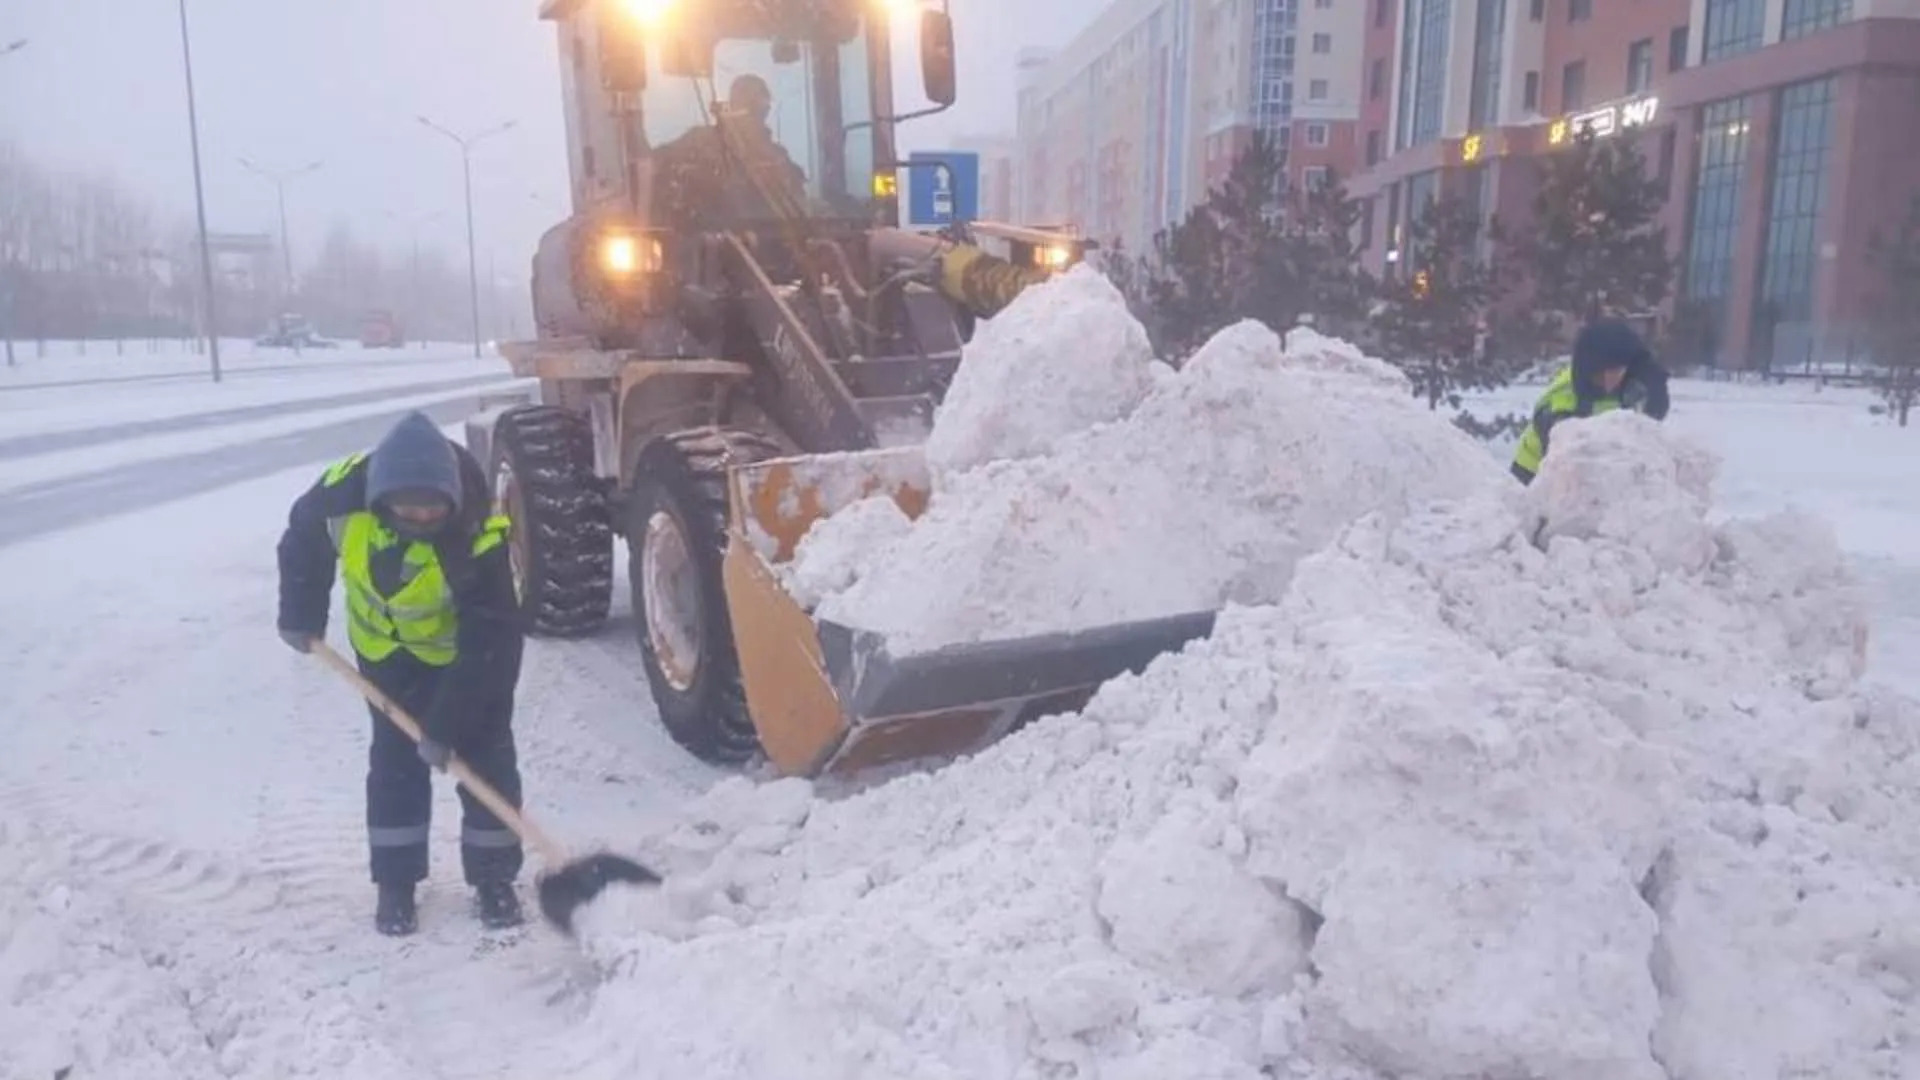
567	888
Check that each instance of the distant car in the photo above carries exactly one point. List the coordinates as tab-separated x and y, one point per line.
381	330
292	331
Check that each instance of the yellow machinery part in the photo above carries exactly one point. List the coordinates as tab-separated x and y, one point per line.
984	283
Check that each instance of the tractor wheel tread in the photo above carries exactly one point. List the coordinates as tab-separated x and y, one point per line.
562	522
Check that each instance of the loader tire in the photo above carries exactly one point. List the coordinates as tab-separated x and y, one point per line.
676	531
561	539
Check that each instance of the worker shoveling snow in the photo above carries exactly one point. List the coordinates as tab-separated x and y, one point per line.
1558	783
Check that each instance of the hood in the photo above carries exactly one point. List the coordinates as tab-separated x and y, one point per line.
414	456
1602	344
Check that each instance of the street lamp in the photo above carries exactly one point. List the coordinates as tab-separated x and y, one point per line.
200	200
6	333
466	164
279	182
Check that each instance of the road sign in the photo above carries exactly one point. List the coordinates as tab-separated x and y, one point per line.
943	187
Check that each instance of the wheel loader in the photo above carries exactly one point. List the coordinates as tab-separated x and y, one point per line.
736	338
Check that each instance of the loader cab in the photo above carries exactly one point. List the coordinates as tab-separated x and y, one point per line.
670	100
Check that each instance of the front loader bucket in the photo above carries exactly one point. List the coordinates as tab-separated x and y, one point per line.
827	698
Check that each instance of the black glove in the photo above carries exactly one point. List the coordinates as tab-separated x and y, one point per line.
299	641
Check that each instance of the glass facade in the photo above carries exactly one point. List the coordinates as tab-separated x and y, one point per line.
1797	188
1403	109
1489	28
1714	220
1733	27
1803	17
1274	24
1431	94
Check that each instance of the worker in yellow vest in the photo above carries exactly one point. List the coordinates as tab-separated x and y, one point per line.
1612	368
433	617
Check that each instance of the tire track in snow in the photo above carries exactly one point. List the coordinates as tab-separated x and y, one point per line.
282	971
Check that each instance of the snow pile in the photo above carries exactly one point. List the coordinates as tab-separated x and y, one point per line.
1209	490
1459	805
1063	357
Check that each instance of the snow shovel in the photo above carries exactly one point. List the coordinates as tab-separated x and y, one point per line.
565	884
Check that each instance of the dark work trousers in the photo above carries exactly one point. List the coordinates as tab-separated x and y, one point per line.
400	785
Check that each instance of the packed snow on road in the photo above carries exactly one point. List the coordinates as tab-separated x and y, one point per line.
1593	780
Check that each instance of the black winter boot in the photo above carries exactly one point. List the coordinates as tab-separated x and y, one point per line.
394	915
499	905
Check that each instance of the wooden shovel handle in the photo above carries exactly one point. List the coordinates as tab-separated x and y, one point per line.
480	789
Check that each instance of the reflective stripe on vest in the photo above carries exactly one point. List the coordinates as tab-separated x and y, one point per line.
1562	401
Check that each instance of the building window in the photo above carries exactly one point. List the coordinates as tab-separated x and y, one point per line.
1803	17
1403	113
1579	10
1639	65
1733	27
1316	134
1537	10
1483	98
1323	5
1316	90
1573	86
1715	214
1376	80
1315	176
1376	146
1422	189
1429	97
1322	44
1677	49
1530	92
1802	136
1380	13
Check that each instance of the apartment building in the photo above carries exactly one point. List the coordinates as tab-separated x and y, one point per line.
1785	131
1128	126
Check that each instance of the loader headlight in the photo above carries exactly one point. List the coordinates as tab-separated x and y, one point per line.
649	12
625	255
1053	256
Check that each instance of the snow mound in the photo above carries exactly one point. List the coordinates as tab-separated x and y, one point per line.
1223	477
829	558
1475	798
1064	356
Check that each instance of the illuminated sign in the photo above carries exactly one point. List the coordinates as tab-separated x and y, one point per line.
1470	149
1605	120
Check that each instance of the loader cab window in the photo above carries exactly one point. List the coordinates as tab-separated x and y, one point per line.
808	92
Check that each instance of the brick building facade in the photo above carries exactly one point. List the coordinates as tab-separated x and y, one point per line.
1785	131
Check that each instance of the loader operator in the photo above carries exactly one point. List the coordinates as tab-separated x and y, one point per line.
699	165
1612	369
433	618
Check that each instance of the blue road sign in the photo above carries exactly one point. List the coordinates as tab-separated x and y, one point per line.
943	187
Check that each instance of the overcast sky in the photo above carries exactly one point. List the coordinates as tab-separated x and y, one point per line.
286	82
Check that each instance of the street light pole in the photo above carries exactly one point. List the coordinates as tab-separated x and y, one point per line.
466	144
279	182
6	332
212	327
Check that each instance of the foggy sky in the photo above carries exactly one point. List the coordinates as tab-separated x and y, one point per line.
285	82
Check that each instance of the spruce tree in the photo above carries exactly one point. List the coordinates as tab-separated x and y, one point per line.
1436	319
1896	314
1254	249
1596	245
